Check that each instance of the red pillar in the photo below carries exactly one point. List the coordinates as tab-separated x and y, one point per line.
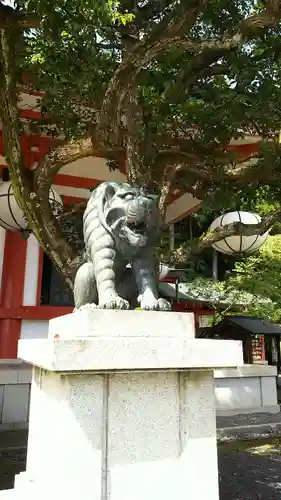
12	291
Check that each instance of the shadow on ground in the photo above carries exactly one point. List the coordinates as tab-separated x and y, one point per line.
250	470
12	456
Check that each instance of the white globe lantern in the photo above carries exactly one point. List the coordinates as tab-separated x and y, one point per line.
238	244
11	216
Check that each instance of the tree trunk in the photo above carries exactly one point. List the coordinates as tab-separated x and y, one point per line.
37	210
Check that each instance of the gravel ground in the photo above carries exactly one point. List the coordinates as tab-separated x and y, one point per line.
250	470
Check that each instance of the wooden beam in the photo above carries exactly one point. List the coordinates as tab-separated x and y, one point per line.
34	312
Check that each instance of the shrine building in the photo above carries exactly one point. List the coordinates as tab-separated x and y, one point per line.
25	308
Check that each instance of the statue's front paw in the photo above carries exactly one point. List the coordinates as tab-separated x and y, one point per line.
164	305
152	304
113	302
85	307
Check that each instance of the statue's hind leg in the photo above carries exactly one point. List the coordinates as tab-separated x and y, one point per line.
85	290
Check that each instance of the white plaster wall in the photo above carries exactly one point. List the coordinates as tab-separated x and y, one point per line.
268	390
97	168
34	329
14	394
72	191
238	393
93	168
248	388
180	207
28	101
31	272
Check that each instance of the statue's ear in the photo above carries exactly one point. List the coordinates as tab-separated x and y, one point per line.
109	192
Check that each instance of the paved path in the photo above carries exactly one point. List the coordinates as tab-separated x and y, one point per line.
247	419
250	471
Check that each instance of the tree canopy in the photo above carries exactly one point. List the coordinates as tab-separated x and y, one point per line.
253	287
163	85
259	275
248	283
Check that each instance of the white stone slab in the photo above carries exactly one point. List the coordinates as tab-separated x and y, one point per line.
118	323
100	340
122	436
130	353
247	371
161	435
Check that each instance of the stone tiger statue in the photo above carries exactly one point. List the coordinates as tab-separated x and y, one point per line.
120	226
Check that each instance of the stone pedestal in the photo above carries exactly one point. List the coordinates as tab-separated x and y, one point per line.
122	408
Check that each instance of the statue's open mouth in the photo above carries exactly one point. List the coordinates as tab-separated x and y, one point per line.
137	227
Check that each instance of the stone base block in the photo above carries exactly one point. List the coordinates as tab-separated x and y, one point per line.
122	436
126	412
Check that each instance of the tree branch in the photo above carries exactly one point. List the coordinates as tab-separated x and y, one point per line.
134	139
40	217
60	156
171	27
73	208
181	160
9	16
246	172
202	66
236	228
166	35
184	156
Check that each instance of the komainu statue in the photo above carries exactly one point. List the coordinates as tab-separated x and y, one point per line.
120	226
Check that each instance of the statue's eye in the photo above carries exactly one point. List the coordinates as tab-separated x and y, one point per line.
129	197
